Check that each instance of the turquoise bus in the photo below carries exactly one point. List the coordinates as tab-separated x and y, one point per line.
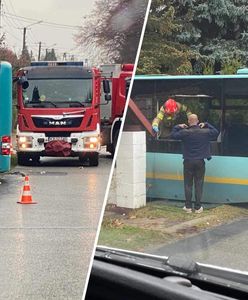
5	115
222	100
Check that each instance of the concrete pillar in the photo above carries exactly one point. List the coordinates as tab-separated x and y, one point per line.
112	195
131	170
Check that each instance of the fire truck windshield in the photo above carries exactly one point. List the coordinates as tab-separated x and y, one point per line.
44	93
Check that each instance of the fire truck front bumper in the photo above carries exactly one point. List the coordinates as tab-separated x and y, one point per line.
77	142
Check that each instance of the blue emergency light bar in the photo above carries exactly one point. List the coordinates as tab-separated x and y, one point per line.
56	63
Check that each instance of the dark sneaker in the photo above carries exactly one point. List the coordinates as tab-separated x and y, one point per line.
187	210
200	210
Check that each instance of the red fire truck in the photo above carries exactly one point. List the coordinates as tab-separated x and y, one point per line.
111	113
59	110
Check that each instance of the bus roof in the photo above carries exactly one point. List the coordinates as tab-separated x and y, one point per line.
186	77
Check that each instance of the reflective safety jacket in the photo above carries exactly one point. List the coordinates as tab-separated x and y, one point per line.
163	116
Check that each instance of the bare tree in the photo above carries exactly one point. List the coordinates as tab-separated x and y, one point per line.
111	33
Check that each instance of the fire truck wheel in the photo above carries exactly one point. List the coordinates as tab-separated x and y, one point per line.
36	159
115	141
82	158
22	159
94	159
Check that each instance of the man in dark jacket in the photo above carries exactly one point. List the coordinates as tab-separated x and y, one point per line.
196	147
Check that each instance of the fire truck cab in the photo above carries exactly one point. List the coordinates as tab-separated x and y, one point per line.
58	111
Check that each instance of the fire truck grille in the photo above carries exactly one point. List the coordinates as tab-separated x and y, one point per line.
44	122
58	133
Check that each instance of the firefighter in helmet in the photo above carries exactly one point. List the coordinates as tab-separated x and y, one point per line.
168	113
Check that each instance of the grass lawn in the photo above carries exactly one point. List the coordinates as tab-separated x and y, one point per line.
130	238
159	223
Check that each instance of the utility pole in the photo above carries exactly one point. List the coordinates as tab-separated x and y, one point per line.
39	51
24	34
0	18
24	40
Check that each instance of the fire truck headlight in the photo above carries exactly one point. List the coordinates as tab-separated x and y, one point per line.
91	142
25	142
93	139
22	139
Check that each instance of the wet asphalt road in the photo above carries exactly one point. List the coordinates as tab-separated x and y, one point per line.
225	246
46	247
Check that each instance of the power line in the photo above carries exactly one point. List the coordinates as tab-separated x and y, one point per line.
12	20
5	5
10	28
1	18
25	19
32	36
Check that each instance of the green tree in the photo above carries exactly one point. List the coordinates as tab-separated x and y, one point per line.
50	55
207	35
161	53
217	30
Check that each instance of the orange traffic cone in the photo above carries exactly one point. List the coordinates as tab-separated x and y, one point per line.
26	194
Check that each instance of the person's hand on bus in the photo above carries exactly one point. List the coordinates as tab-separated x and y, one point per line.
183	126
155	128
202	125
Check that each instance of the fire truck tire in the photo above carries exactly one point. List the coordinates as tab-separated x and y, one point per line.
82	158
94	159
36	159
22	159
115	138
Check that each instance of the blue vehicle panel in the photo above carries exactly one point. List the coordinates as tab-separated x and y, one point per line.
226	178
5	112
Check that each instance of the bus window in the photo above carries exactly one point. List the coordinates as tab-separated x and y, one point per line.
219	100
236	127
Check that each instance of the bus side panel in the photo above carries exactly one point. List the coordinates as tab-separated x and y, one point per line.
5	109
225	178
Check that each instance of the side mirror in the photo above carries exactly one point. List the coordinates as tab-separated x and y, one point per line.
107	97
23	82
128	81
106	86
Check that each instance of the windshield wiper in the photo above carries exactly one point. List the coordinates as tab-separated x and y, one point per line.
149	261
177	265
41	103
73	102
50	102
121	274
73	112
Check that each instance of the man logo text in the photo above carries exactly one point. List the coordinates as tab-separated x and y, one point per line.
58	123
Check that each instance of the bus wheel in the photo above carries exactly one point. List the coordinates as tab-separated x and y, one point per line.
22	159
94	159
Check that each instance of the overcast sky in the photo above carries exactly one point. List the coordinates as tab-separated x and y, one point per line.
67	12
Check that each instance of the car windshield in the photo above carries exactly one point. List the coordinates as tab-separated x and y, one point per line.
45	93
